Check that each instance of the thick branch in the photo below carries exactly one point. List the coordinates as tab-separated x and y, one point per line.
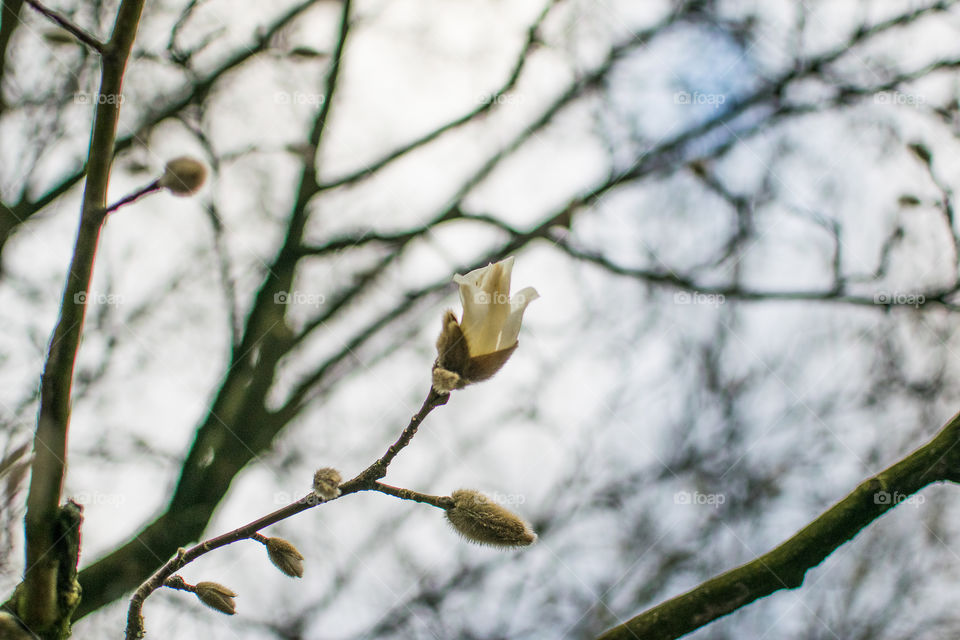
786	566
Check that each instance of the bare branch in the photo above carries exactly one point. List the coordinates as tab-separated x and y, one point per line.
39	607
786	566
80	34
365	481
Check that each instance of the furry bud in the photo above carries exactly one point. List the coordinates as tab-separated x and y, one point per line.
216	596
326	483
478	519
285	557
183	176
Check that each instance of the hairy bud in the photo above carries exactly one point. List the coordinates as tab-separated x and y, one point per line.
216	596
183	176
285	557
478	519
326	483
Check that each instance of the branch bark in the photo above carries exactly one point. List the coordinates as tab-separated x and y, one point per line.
785	566
239	412
41	604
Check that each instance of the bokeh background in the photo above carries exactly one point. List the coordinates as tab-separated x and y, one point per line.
740	219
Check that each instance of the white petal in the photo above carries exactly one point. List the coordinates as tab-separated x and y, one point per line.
511	327
491	318
475	308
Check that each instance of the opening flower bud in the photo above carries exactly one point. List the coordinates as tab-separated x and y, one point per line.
478	519
285	557
216	596
183	176
478	346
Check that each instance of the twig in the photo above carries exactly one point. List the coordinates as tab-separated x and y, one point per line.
440	502
378	469
80	34
365	481
785	566
136	195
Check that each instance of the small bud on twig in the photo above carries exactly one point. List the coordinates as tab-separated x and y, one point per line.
216	596
478	519
285	557
183	176
326	483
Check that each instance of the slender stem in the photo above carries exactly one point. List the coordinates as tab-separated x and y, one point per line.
80	34
440	502
366	480
786	566
136	195
39	608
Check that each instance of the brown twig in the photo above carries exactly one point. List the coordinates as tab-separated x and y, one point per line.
136	195
64	22
440	502
364	481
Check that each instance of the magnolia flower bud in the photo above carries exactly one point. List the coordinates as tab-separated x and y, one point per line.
478	519
326	483
183	176
477	346
285	557
216	596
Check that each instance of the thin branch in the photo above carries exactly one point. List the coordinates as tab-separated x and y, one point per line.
533	38
440	502
378	469
786	566
662	277
80	34
39	608
365	481
239	407
136	195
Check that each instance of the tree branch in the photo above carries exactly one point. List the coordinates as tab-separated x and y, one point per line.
78	33
785	566
38	606
365	481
